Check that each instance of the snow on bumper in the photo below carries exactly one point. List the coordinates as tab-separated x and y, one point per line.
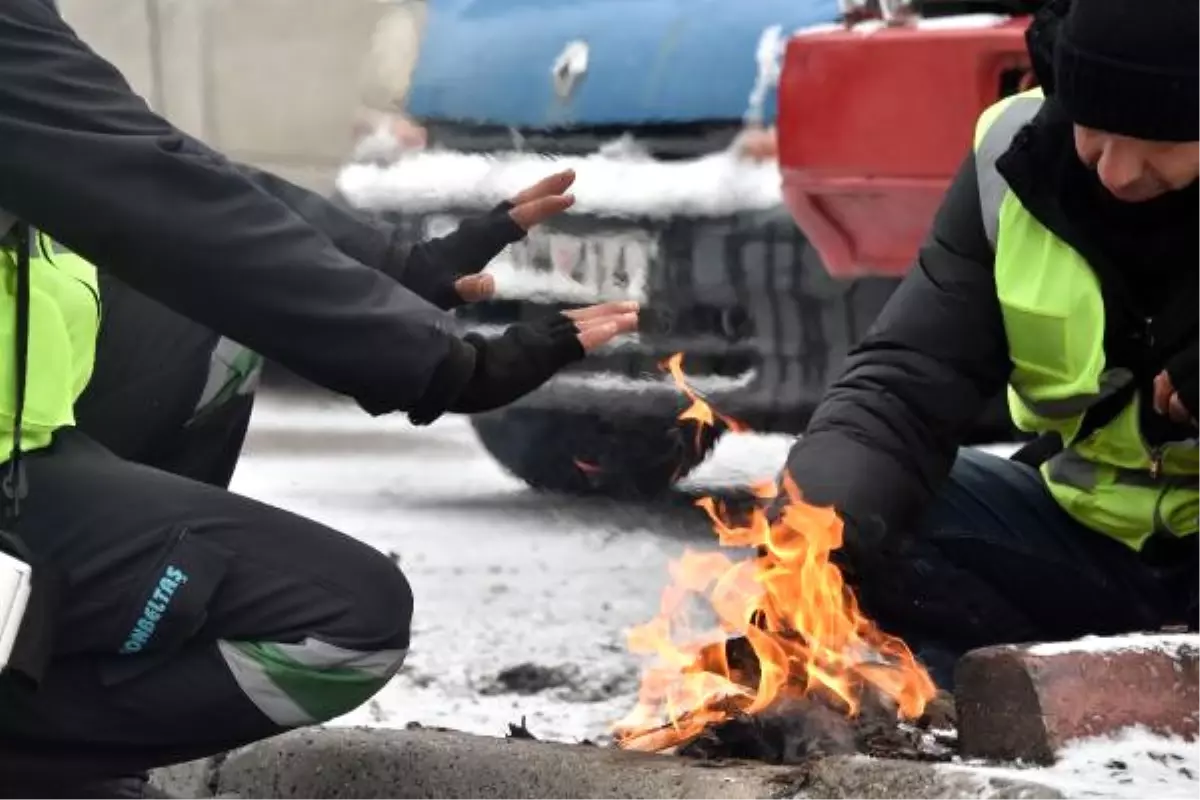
623	187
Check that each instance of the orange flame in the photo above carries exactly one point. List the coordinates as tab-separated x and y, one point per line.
789	604
699	412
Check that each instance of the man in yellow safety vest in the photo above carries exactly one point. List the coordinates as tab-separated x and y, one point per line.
1063	263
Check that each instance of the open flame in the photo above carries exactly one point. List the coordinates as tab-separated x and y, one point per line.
699	412
789	604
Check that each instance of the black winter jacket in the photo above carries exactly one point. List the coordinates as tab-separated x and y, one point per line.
886	433
267	263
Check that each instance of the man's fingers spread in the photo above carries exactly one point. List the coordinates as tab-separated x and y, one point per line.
626	322
474	288
586	324
603	310
535	212
557	183
598	335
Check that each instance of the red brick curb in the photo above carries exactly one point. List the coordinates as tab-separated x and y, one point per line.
1026	702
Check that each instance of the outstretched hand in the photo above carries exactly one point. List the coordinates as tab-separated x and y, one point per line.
541	201
598	325
526	355
531	206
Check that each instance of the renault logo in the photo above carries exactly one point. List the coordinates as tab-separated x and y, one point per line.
570	66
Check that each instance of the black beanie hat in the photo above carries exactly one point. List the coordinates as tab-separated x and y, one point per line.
1131	67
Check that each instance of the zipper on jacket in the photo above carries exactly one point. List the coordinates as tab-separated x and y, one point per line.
1157	456
1156	461
1158	451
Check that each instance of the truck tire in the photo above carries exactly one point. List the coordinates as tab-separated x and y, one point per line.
583	453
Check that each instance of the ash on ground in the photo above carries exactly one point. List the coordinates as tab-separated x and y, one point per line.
528	678
566	682
798	730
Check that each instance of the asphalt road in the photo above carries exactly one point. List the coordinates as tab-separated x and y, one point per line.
504	577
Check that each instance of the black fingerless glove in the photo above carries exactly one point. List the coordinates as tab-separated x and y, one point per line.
509	367
430	269
1183	371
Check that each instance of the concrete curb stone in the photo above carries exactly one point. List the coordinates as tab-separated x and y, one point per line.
424	763
1028	702
191	779
371	763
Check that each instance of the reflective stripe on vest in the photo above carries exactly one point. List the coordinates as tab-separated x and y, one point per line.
1054	317
993	134
64	320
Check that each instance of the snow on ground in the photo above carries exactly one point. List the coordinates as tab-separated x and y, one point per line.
502	576
505	577
1164	643
1134	764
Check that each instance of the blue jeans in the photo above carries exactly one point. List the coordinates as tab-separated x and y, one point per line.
996	561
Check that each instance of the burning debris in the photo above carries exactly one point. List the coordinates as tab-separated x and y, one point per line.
798	730
520	730
788	666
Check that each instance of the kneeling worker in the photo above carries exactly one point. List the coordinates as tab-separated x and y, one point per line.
1063	263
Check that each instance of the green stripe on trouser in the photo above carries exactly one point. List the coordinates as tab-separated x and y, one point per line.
300	684
233	370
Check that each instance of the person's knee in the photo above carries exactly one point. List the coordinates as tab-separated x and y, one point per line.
393	611
981	489
342	662
309	682
381	617
377	639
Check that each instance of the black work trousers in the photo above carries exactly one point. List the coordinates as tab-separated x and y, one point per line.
193	620
995	560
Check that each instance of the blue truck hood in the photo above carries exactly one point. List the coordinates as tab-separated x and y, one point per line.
648	61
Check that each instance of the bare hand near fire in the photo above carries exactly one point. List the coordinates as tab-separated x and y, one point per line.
531	206
541	201
598	325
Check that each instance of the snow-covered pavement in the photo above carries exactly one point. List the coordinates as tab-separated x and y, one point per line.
507	578
1133	764
502	576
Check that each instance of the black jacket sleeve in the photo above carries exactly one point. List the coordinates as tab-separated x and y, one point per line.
426	267
84	159
885	434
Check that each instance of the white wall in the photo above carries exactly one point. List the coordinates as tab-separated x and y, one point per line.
276	83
